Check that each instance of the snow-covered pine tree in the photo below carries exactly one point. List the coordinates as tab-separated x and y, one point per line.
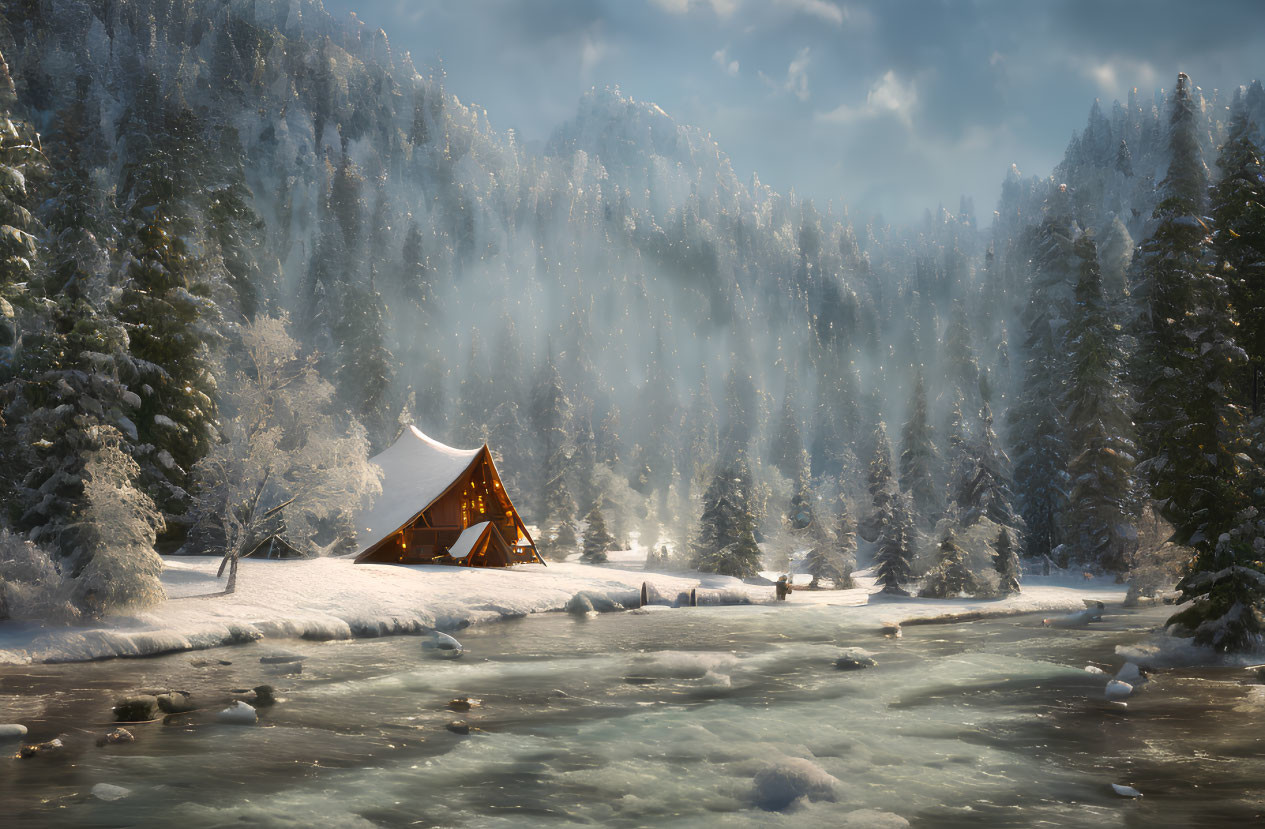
22	165
476	398
825	561
725	542
1098	524
700	438
1124	160
1037	426
836	415
1169	267
894	550
662	419
1227	587
918	458
831	557
961	363
950	577
551	419
1006	563
982	487
806	530
114	564
801	514
1192	441
557	509
165	306
740	411
69	384
846	540
597	540
787	449
880	485
239	232
365	365
1238	214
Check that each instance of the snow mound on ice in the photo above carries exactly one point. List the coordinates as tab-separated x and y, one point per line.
683	664
779	786
1164	651
109	792
239	713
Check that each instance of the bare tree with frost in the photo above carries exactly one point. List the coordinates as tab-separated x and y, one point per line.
281	447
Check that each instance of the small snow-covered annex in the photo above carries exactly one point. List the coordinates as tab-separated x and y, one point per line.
441	505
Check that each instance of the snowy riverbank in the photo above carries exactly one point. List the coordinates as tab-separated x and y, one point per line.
335	599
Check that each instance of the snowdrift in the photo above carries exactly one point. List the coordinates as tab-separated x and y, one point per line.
325	599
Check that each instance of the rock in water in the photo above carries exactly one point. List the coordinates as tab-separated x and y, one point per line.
443	646
1118	690
464	703
140	708
265	695
579	605
458	727
239	713
51	747
1130	673
854	662
1079	619
109	793
175	702
115	736
781	784
1125	791
12	731
891	629
280	659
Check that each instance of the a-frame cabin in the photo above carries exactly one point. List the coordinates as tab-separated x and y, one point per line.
441	505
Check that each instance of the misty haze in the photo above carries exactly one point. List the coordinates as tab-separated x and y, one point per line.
679	412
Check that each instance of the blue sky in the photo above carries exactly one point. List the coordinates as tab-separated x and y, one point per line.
891	106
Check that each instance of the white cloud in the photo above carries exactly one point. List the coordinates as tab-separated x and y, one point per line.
722	8
888	96
823	9
721	59
797	75
592	51
1113	77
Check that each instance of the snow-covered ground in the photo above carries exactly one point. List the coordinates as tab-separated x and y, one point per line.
336	599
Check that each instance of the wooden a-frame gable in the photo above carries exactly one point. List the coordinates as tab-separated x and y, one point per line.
461	489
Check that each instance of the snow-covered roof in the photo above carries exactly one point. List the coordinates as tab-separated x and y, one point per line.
416	470
466	541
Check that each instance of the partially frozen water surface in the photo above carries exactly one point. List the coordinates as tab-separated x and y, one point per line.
689	717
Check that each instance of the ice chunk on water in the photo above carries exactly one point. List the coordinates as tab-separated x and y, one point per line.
109	792
1118	690
1125	791
239	713
781	784
1129	673
12	731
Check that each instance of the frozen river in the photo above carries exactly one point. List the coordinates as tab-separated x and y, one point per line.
688	717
